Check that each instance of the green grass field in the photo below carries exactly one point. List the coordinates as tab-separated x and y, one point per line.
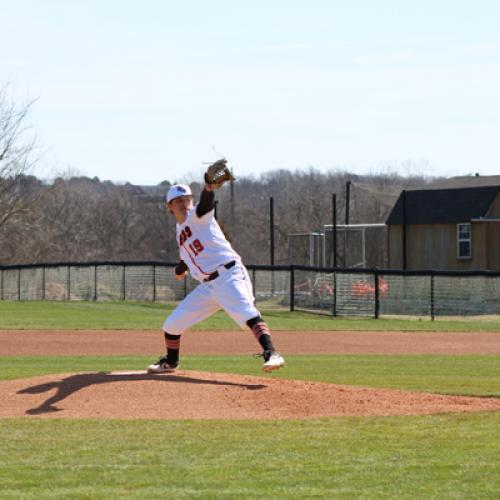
39	315
420	457
440	456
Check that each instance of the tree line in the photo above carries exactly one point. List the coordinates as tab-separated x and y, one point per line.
83	219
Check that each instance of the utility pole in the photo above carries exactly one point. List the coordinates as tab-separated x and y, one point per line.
403	230
346	230
347	200
271	223
334	230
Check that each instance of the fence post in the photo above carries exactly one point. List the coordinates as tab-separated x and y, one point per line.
432	297
1	284
19	284
292	288
377	292
124	293
43	282
334	297
95	283
68	284
154	283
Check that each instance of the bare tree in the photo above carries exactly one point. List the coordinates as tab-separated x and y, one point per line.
16	156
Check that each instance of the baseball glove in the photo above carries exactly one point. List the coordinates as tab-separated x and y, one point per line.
218	173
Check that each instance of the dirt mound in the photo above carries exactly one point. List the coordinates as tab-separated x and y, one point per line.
203	395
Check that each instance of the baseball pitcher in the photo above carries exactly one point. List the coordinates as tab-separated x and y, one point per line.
210	259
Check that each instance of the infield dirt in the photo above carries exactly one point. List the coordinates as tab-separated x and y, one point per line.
130	342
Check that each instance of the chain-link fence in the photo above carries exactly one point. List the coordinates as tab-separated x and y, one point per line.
338	292
145	281
364	292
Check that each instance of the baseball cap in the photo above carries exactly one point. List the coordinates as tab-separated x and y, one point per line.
178	190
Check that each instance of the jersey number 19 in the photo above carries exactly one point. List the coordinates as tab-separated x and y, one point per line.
196	247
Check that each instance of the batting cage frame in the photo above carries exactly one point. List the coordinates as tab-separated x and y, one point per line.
343	245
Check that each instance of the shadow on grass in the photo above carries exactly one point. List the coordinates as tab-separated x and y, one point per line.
74	383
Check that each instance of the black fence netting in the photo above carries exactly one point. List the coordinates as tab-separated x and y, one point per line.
337	292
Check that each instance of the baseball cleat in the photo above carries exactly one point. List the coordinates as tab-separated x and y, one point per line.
272	361
162	366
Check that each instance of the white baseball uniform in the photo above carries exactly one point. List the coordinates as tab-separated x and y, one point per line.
205	250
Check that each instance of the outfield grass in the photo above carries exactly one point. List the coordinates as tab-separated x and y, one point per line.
44	315
446	456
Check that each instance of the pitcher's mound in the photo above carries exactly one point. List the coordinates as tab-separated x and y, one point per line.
203	395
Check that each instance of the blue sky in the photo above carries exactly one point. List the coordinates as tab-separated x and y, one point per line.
140	91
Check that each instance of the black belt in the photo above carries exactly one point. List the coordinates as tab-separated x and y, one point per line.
215	274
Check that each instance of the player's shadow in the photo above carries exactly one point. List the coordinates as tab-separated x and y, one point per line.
74	383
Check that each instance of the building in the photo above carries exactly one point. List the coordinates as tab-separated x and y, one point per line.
446	229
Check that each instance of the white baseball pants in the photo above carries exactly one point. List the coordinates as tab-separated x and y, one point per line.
231	291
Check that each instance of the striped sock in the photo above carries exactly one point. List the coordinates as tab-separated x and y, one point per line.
173	344
263	335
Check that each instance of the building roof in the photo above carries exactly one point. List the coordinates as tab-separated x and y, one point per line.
443	206
465	181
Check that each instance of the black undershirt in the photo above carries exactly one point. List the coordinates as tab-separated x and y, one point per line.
206	203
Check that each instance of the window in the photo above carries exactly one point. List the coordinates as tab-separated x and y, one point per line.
464	243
